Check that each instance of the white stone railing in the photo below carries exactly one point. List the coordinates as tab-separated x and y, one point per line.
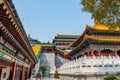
87	65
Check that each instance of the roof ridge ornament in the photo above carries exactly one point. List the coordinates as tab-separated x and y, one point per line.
100	26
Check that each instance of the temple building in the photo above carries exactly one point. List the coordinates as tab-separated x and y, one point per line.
17	58
62	41
96	41
91	56
95	54
52	55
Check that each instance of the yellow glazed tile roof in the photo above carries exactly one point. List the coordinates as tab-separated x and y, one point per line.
65	53
102	38
36	49
97	27
102	27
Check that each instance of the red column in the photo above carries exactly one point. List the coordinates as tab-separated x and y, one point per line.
30	70
115	52
27	74
0	72
12	73
52	49
45	50
89	54
99	53
92	53
22	74
64	57
83	54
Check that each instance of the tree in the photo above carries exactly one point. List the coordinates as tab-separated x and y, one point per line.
110	78
56	75
43	69
105	12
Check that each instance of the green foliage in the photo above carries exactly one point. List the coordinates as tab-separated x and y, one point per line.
1	1
105	12
110	78
43	69
56	75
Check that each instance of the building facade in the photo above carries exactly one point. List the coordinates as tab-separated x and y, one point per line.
95	54
16	55
62	41
45	53
52	55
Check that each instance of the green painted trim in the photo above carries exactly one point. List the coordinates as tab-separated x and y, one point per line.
61	50
1	54
1	1
68	36
0	46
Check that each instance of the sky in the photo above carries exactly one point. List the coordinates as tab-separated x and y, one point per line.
43	19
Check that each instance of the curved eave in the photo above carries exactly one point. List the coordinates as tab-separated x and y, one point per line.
44	45
108	39
77	41
77	47
93	38
88	28
64	40
62	51
67	35
12	20
47	45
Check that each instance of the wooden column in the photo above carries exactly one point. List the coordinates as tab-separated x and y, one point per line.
12	73
0	72
89	54
53	50
22	73
115	52
99	53
27	74
83	54
30	69
64	56
92	53
45	50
